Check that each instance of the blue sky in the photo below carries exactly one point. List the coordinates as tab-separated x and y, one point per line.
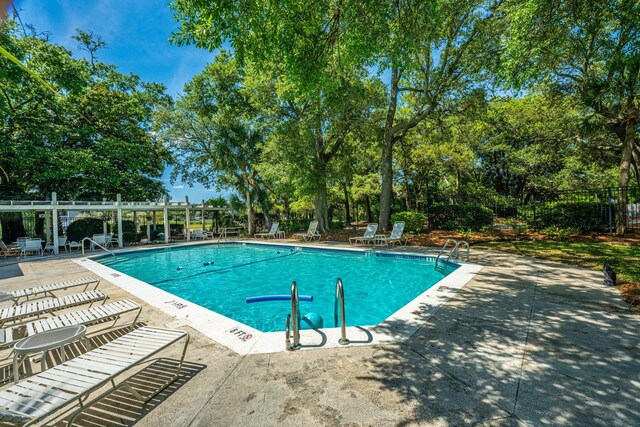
136	33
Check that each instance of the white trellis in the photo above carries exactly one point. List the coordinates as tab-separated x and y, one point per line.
54	205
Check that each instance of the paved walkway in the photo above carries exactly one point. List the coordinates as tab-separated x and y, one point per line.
527	342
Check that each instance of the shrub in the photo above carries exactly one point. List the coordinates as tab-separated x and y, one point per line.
84	227
413	221
583	216
294	224
337	224
452	217
556	233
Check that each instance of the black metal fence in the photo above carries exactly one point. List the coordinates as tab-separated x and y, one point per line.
604	210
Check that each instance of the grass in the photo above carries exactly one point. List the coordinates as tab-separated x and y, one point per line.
624	259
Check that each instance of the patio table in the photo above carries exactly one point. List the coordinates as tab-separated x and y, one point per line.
45	341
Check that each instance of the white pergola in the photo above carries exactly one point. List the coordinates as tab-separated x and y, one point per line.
118	206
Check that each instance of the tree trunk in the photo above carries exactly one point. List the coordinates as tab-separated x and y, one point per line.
367	207
407	196
251	227
321	214
287	208
624	175
347	212
386	165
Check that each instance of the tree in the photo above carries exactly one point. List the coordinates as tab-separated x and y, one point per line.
434	50
213	131
91	140
588	49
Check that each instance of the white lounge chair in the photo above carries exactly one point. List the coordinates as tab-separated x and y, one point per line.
48	289
311	234
36	398
368	236
273	232
42	306
197	234
10	250
396	236
62	241
90	316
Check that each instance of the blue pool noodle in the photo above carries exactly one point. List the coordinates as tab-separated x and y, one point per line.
264	298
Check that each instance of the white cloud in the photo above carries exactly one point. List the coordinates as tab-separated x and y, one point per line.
178	187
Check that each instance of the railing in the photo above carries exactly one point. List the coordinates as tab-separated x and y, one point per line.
287	329
466	244
93	242
454	252
343	325
446	244
295	315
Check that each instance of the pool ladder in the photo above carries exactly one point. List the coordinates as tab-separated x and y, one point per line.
454	252
295	315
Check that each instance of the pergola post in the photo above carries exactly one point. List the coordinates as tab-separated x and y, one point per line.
187	220
203	221
165	213
120	234
54	222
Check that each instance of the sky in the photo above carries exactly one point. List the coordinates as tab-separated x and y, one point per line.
136	33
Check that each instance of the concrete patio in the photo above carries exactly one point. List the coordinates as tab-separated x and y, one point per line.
527	342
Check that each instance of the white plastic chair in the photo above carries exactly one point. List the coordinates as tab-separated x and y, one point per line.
368	236
39	307
311	234
48	289
100	239
396	236
273	231
32	245
37	397
90	316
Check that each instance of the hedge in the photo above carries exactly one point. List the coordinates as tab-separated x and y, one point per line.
413	221
84	227
584	216
453	217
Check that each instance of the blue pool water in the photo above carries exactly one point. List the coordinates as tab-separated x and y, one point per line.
375	285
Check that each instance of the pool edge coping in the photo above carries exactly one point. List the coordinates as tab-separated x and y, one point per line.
244	339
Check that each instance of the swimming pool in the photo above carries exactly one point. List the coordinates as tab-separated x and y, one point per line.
221	277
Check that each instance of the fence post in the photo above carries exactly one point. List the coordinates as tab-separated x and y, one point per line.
610	211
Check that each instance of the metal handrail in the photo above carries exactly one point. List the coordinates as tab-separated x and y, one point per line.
340	298
466	244
95	243
446	244
295	314
287	329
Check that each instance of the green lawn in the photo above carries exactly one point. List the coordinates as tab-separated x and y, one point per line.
625	259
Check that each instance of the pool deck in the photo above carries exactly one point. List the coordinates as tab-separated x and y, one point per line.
526	342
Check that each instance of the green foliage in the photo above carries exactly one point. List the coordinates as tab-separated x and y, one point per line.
489	229
92	141
294	225
453	217
84	227
414	222
556	233
129	234
586	216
